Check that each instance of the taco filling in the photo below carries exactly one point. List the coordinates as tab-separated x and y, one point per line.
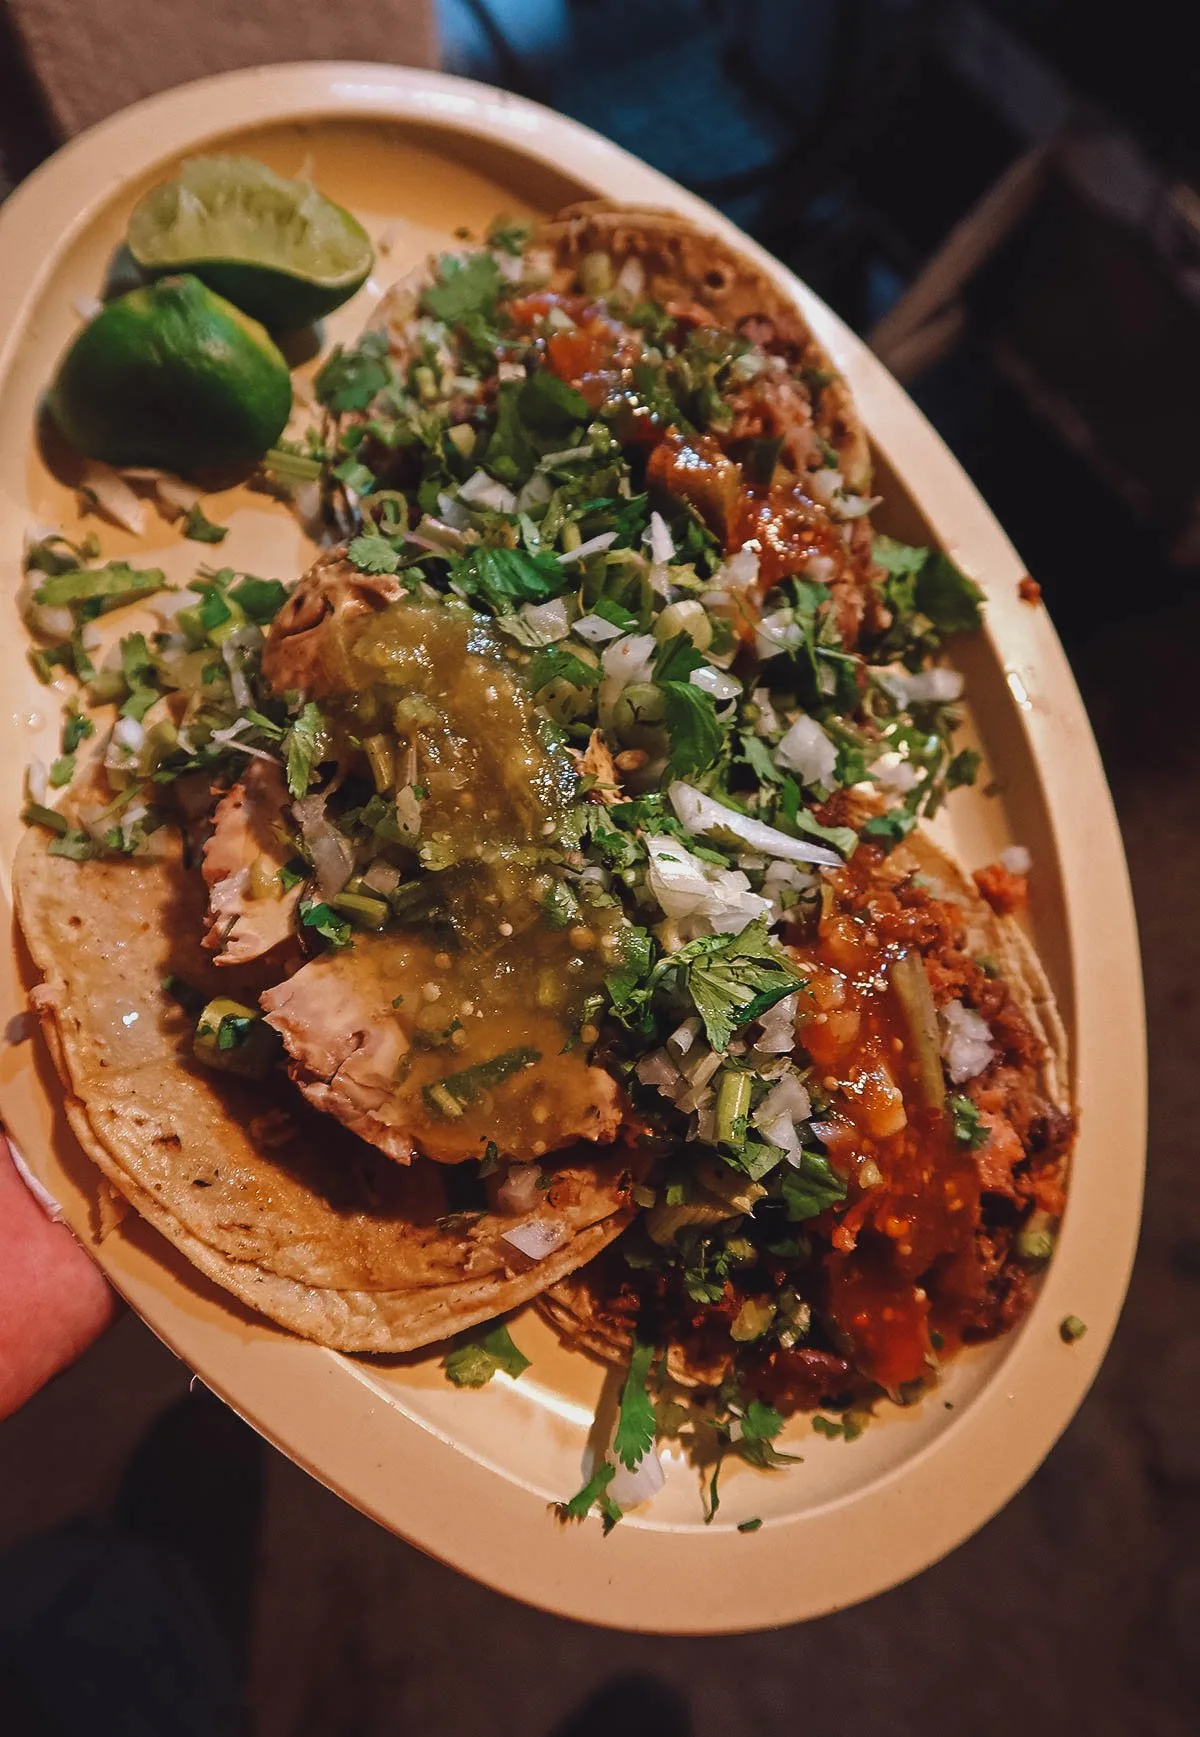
563	820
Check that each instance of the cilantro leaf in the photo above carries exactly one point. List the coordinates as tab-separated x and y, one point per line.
326	922
504	578
812	1188
555	663
197	528
306	742
141	677
373	555
969	1127
733	979
675	659
260	600
797	819
474	1363
76	729
950	600
761	1422
352	378
696	738
549	406
593	1493
62	770
635	1425
464	288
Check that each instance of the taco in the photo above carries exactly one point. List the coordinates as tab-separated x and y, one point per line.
934	1064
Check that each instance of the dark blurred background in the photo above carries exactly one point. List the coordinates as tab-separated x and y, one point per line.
1004	198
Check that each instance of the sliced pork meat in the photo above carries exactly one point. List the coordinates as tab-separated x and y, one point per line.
305	648
250	915
420	1051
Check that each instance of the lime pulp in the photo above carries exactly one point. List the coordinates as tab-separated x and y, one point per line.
275	247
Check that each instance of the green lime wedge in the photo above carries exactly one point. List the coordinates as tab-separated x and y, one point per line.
172	376
277	248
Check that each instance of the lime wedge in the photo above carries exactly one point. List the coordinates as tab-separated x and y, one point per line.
174	377
277	248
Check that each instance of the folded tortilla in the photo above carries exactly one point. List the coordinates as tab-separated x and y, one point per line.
278	1204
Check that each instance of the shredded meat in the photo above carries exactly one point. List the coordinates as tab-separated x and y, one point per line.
1004	891
250	915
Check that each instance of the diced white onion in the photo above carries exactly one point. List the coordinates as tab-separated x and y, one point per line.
550	621
537	1239
1016	859
536	493
510	266
892	772
382	877
823	484
510	371
114	496
662	544
50	621
807	750
593	546
684	1036
715	682
629	1488
519	1192
129	733
768	720
777	1027
596	630
332	857
87	307
822	569
777	632
452	514
787	1097
624	661
36	780
781	1132
181	497
702	815
408	812
713	901
739	572
631	279
657	1069
938	686
966	1042
482	490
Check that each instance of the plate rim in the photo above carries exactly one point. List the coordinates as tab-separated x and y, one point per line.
639	1578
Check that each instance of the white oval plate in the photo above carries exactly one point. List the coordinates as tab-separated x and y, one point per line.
470	1476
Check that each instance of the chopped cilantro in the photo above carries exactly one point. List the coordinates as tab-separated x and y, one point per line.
352	378
555	663
464	288
675	659
969	1127
749	1525
696	736
474	1363
199	529
76	729
811	1188
325	921
733	979
594	1493
450	1096
306	743
504	578
260	600
635	1425
62	770
373	554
